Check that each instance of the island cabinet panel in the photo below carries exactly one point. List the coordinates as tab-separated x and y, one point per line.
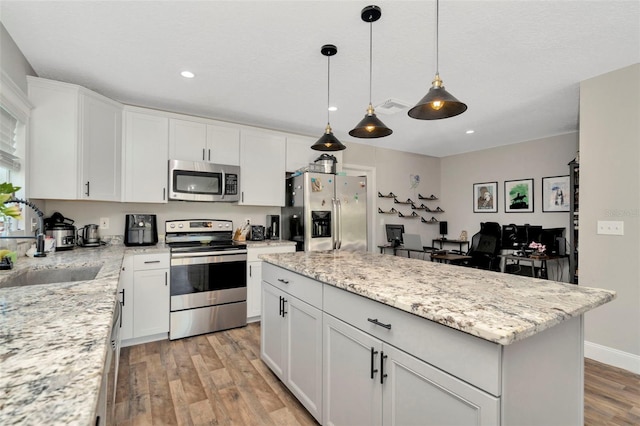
291	336
415	392
469	358
303	288
352	390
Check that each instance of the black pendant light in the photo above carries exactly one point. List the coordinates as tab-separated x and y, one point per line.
328	142
438	103
370	126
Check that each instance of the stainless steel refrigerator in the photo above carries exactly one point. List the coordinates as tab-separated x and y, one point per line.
326	212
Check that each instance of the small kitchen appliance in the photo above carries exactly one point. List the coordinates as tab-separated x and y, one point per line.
257	233
62	230
203	181
208	279
140	230
273	227
326	163
88	236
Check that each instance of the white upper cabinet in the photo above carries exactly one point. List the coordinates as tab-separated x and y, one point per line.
77	135
262	168
146	155
187	140
204	141
223	144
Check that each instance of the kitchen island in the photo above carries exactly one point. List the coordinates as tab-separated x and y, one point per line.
54	338
477	346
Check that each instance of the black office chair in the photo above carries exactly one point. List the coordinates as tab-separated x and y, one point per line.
485	247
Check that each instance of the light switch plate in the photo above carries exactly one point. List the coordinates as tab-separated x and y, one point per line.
610	227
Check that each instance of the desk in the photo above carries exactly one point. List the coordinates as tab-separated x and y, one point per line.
531	260
442	242
449	258
408	250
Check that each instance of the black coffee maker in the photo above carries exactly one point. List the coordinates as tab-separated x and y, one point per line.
140	230
273	227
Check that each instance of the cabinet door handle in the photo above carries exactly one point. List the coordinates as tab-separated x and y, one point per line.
250	271
122	292
151	261
164	194
280	312
209	155
373	356
87	193
202	154
382	373
166	278
284	313
376	322
283	281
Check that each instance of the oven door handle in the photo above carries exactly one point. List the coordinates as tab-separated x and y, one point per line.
190	259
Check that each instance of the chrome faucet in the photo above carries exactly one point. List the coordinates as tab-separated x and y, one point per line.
40	235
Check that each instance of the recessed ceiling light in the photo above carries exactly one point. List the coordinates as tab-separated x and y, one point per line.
470	131
333	108
187	74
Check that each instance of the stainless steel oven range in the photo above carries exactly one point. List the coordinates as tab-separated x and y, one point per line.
208	279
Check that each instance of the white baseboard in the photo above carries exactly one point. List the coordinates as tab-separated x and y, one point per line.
144	339
612	356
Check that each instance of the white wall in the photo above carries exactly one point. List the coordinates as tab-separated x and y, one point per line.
610	190
532	159
394	172
13	61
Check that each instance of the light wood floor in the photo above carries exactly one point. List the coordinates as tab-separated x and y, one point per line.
219	379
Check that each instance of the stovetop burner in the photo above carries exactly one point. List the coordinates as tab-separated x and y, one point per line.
200	235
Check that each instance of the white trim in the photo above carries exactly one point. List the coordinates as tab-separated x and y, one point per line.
372	208
611	356
14	99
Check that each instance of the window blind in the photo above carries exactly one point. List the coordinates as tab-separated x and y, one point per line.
8	124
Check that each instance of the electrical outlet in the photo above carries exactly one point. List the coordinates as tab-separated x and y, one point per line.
247	221
610	227
104	223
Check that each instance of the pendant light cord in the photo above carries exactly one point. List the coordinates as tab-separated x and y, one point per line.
370	59
437	41
328	85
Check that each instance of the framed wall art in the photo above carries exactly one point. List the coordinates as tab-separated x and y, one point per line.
485	197
518	196
555	194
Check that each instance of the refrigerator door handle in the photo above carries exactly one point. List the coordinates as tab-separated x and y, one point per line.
338	224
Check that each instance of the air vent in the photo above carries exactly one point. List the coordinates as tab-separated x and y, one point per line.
391	106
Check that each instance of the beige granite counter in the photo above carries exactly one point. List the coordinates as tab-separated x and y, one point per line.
53	338
501	308
270	243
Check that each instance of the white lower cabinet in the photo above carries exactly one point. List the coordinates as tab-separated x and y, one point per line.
144	292
292	344
368	376
254	276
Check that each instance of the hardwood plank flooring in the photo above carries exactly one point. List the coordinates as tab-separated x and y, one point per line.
219	379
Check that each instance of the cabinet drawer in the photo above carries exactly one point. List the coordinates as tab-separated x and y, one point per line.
469	358
303	288
143	262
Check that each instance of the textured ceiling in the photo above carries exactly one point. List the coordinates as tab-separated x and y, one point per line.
516	64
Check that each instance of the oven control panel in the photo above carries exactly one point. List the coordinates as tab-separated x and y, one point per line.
198	225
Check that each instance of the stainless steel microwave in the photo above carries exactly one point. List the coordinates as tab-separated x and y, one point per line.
202	181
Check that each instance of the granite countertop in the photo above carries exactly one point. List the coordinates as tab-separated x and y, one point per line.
270	243
54	337
501	308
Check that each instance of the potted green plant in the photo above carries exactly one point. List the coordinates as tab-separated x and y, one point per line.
7	210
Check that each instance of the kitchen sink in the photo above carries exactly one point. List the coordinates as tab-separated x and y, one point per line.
50	276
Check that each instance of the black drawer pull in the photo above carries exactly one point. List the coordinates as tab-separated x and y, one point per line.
376	322
373	355
282	280
151	261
